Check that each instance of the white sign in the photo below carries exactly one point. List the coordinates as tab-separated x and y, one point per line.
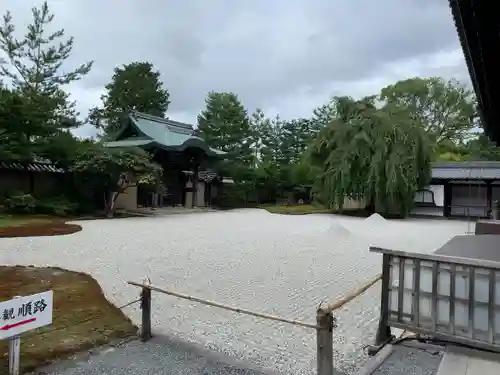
23	314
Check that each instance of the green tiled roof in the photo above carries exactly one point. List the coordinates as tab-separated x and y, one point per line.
159	132
129	142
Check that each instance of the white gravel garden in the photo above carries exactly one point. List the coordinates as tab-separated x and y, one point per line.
283	265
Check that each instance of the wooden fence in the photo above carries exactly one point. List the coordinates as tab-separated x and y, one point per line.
325	321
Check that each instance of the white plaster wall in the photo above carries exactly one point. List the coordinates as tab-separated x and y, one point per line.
128	199
438	191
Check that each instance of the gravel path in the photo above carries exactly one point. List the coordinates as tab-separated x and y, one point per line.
159	356
282	265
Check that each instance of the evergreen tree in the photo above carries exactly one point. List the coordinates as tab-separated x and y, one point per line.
135	86
33	67
224	125
295	137
13	142
323	115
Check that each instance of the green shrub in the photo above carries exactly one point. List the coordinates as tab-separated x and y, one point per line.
20	203
231	196
297	209
59	206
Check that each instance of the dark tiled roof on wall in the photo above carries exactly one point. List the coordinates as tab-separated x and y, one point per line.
31	167
472	170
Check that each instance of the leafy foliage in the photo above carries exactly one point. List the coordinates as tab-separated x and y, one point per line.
224	125
135	86
329	112
14	144
482	148
447	109
267	136
295	137
36	112
18	203
112	170
379	155
377	148
33	67
58	206
111	163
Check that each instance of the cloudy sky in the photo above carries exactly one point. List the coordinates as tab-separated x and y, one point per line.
286	57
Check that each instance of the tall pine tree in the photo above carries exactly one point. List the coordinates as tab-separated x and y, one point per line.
135	86
32	66
295	136
224	125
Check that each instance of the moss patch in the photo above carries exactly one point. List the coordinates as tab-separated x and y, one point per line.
20	220
34	225
297	209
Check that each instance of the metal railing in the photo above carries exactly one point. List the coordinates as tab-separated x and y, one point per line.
325	321
448	298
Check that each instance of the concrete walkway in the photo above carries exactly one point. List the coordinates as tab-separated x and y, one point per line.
159	356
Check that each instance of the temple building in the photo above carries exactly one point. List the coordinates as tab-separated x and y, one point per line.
185	158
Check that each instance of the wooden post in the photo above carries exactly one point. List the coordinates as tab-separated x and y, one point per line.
324	341
489	200
384	331
14	353
195	184
448	191
146	314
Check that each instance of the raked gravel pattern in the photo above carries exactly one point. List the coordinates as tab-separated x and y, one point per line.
278	264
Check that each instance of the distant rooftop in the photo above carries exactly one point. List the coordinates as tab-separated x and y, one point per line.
147	131
36	166
470	170
467	164
171	125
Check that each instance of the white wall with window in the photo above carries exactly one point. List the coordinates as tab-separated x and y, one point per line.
429	201
432	195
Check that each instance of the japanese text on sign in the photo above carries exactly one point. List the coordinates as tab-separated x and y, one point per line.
26	309
23	314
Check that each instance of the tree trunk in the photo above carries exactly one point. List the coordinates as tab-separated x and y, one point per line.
111	204
370	207
113	195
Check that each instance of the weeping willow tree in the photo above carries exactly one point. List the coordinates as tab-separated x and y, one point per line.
381	155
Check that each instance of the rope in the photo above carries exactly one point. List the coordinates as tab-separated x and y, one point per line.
226	307
86	320
130	303
349	297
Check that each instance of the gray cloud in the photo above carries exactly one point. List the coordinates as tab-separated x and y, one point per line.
283	56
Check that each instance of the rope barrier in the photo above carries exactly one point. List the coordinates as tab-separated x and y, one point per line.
226	307
330	307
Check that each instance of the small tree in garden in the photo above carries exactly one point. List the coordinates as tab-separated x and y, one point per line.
113	170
